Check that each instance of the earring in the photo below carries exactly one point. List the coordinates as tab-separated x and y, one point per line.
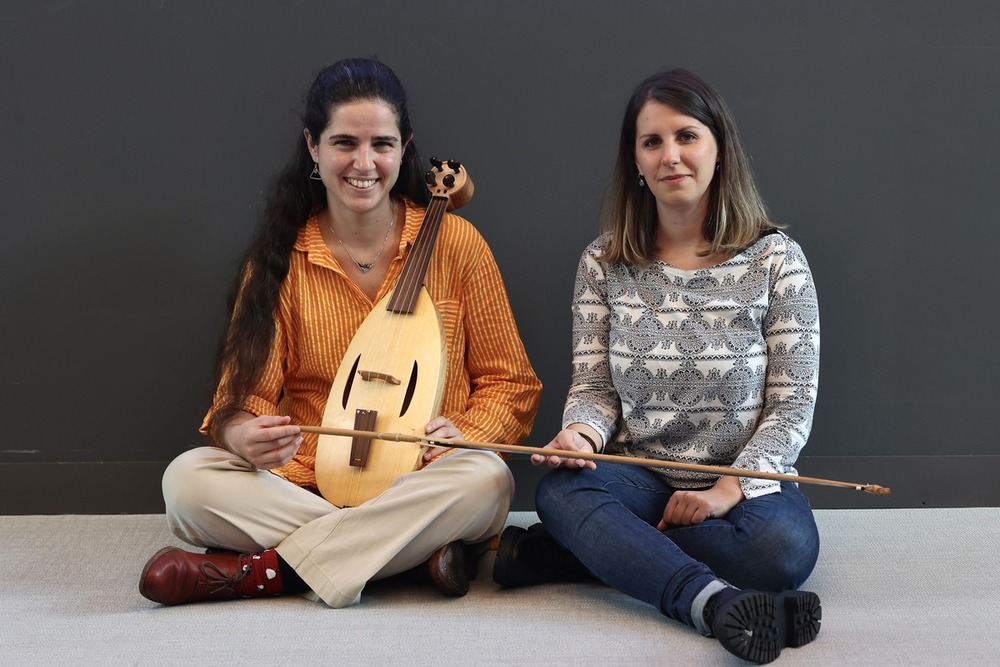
717	165
642	181
314	176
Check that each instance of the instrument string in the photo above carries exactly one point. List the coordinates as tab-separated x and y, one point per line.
391	373
385	346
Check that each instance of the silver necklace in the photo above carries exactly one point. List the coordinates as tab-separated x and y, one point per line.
365	267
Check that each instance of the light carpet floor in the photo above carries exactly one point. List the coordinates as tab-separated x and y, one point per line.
899	587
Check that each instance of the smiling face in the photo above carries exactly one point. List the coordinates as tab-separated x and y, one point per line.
359	155
676	155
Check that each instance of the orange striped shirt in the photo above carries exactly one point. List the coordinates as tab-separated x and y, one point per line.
491	392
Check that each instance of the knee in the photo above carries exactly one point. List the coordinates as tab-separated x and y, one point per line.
779	540
186	487
801	554
788	558
489	478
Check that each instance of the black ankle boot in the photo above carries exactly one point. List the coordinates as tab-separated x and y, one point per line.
532	556
756	625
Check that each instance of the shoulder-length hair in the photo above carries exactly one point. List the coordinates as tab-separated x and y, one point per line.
737	216
292	198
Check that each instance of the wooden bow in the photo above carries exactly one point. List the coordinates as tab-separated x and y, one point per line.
874	489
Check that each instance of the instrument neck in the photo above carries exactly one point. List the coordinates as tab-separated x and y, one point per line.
411	278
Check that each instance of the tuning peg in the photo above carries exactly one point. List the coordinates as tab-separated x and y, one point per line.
449	181
429	178
455	165
437	163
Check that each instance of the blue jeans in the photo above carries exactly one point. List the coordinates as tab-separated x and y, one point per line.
607	517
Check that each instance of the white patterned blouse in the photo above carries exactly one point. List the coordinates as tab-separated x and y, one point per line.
715	366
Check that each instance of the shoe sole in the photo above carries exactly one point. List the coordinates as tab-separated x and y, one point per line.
758	626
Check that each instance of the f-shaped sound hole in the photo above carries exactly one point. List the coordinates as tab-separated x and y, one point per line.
350	382
410	388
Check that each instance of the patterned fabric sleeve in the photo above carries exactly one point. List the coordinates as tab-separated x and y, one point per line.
791	330
592	397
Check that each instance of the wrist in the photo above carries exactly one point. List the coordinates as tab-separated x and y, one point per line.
731	487
227	430
588	440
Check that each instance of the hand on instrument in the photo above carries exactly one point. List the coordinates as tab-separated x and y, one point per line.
687	508
567	440
440	428
267	441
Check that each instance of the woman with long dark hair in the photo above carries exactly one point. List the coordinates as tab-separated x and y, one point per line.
695	339
339	223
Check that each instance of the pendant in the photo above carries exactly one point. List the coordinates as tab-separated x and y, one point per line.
365	268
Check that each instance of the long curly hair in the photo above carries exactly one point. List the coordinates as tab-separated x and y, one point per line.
737	216
291	199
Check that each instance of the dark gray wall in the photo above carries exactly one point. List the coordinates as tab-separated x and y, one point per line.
137	136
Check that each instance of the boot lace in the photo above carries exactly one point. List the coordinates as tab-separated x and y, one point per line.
219	581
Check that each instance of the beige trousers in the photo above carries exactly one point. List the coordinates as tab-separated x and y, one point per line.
216	499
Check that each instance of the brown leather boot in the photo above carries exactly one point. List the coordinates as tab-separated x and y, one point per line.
448	571
174	576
